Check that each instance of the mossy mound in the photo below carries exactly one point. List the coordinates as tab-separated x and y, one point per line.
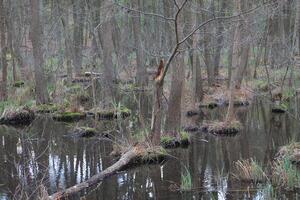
17	116
222	128
69	116
82	132
46	108
169	140
18	84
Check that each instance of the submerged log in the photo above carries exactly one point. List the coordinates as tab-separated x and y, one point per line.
133	155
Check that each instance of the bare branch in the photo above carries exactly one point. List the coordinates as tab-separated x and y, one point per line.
144	13
221	18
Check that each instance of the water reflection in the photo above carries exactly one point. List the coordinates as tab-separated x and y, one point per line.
40	154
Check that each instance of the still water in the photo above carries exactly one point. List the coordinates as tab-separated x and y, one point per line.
41	155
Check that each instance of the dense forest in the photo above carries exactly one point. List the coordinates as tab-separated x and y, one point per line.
149	99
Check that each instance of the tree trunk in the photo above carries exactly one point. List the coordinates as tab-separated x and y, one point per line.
78	18
173	117
207	55
235	62
157	112
220	40
68	42
136	27
4	49
36	39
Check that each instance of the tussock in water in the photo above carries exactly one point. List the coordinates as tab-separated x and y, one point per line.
17	116
222	128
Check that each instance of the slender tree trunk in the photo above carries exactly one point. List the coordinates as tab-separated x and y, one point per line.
220	40
78	18
235	63
36	39
136	27
4	50
67	40
206	41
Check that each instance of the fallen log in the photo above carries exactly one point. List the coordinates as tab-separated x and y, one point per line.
137	153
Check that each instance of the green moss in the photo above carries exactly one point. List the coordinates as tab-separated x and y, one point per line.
209	104
83	132
113	114
165	139
69	116
47	108
168	141
18	84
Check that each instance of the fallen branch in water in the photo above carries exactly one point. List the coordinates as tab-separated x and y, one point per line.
136	154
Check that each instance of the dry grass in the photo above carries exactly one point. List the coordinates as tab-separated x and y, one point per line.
222	128
220	93
285	174
250	171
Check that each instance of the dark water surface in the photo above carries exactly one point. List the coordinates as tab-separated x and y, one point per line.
40	154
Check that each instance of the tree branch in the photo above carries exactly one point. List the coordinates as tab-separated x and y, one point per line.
144	13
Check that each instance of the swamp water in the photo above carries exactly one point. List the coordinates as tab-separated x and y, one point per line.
40	157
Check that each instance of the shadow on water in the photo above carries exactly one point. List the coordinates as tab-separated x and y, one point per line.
39	154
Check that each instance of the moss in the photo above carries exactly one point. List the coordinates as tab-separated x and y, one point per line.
112	114
184	138
69	116
209	104
169	141
85	132
281	108
47	108
18	84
